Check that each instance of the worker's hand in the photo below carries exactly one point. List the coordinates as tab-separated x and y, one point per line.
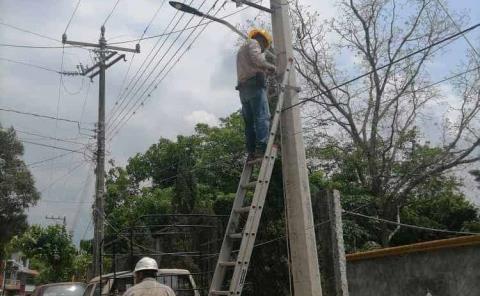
272	70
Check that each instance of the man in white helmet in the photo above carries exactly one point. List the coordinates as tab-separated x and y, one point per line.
145	280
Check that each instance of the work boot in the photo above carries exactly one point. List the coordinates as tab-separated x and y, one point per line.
260	150
251	156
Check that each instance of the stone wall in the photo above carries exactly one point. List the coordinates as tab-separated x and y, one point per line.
448	267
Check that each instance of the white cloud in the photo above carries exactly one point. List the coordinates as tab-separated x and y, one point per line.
202	116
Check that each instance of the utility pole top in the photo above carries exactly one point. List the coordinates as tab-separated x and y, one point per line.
102	42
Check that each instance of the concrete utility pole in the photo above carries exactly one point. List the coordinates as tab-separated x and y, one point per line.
334	268
301	230
104	53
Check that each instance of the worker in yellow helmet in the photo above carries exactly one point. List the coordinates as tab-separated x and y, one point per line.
252	68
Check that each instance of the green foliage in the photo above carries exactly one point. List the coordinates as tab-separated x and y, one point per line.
200	173
51	249
17	188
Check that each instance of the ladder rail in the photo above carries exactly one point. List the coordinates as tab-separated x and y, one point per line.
227	244
258	201
251	227
248	235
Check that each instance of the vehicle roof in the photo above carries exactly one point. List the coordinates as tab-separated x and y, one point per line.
127	273
62	284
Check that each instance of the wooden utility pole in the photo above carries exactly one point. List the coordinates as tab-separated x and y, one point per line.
104	53
301	230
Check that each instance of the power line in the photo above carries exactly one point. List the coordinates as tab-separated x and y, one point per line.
81	198
30	65
178	31
448	78
52	146
86	229
63	201
120	124
151	20
28	31
122	89
457	27
39	115
71	17
136	78
49	137
111	12
411	226
39	47
386	65
162	70
82	163
35	163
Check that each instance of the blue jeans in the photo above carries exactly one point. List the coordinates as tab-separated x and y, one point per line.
256	114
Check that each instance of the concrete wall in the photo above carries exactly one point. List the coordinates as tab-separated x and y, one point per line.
441	268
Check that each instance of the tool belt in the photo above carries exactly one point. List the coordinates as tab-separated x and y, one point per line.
259	80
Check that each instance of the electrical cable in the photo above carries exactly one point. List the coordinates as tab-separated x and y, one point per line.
119	124
86	229
71	17
386	65
81	164
122	89
81	198
187	28
36	163
49	137
39	47
111	12
38	115
458	27
29	32
411	226
51	146
29	65
114	116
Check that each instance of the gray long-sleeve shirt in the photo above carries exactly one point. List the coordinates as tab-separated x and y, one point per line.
149	287
250	60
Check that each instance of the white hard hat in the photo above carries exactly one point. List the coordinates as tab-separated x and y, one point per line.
146	263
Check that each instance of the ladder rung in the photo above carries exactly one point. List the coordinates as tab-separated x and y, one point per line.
235	235
243	210
214	292
254	161
250	185
227	263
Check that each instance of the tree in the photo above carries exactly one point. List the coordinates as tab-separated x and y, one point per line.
376	121
438	204
51	250
17	188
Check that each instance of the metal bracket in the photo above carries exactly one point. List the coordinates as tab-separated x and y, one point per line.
295	88
240	2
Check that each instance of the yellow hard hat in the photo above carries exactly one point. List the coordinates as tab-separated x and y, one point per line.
262	32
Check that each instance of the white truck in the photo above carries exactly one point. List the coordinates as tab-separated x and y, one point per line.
115	284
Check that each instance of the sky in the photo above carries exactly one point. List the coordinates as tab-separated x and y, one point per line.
199	88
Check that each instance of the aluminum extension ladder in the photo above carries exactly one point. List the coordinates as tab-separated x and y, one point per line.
246	231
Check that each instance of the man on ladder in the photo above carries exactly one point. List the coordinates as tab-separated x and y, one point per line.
252	68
